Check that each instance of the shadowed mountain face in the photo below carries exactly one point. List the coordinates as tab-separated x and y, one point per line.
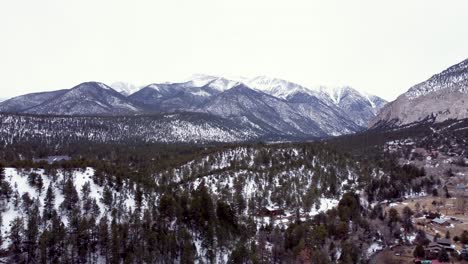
268	106
270	113
443	96
173	97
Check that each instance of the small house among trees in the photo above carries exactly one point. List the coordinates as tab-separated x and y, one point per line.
52	159
270	212
434	248
441	221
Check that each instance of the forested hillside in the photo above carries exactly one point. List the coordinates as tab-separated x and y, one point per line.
239	204
164	128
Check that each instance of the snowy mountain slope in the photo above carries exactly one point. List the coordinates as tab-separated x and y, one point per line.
270	113
329	117
125	88
276	87
181	96
215	82
196	95
455	78
352	105
90	98
247	106
441	97
357	106
24	102
173	97
376	102
87	98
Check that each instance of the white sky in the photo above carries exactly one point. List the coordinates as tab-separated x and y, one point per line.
382	47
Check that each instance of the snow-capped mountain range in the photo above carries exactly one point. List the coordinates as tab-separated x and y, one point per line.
267	105
443	96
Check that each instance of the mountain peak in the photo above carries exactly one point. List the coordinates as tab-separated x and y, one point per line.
276	87
88	98
125	88
211	81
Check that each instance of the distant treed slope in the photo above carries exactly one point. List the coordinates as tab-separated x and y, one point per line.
170	128
444	96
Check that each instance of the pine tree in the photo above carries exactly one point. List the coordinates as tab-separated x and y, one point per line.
26	202
49	203
58	236
5	189
85	190
71	197
138	198
2	172
419	252
31	234
103	237
39	185
16	197
83	240
115	242
188	249
16	239
107	198
1	223
44	247
95	210
406	219
35	180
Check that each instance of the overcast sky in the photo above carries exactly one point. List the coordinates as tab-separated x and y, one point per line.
382	47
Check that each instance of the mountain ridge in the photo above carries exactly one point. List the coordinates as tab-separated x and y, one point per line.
271	105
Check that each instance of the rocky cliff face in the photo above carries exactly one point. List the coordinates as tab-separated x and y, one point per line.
443	96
